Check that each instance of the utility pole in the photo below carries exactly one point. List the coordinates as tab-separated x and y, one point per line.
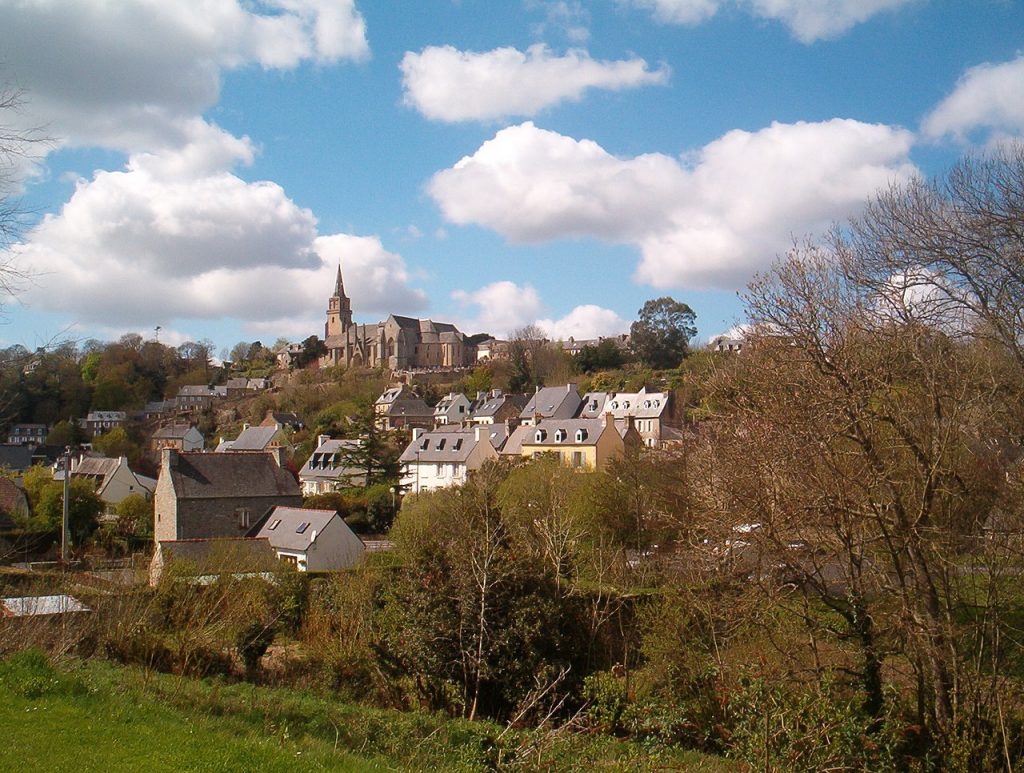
65	536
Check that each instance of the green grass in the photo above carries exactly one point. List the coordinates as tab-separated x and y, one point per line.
94	716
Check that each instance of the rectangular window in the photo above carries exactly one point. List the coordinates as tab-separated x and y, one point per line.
274	525
577	458
302	527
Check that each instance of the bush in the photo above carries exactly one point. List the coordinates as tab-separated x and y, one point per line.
809	730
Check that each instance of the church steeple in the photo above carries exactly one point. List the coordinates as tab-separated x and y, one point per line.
339	309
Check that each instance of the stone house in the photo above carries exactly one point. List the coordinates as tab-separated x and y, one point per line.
200	495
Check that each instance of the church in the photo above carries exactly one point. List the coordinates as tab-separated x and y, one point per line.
397	343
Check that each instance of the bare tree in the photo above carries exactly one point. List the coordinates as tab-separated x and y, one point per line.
17	149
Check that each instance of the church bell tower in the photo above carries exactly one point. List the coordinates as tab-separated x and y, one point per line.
339	310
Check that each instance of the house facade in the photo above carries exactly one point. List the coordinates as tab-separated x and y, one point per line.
180	437
113	478
200	495
399	407
28	434
444	457
584	444
326	470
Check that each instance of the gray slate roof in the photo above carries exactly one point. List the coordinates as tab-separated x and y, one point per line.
224	554
251	439
281	527
551	400
209	476
445	446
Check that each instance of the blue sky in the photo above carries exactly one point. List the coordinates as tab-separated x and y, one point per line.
493	164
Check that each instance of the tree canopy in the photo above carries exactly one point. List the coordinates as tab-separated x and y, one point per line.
660	337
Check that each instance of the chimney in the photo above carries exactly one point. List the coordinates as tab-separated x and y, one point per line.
245	426
277	454
477	432
168	459
321	439
417	433
607	419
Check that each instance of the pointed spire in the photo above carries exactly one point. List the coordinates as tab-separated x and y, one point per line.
339	284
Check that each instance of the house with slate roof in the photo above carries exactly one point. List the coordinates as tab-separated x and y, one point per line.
325	470
453	408
113	479
561	402
255	439
584	444
399	407
181	437
495	407
312	540
444	457
200	495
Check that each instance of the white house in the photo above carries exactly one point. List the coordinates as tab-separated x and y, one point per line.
453	408
444	458
113	479
326	470
312	540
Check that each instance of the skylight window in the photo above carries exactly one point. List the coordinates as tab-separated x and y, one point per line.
302	527
274	525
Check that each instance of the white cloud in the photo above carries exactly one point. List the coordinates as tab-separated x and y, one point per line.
583	322
171	236
680	11
807	20
531	184
446	84
503	307
132	75
989	96
499	308
710	222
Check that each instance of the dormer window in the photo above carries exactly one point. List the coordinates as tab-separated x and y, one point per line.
425	444
440	444
615	404
458	445
540	436
560	435
581	435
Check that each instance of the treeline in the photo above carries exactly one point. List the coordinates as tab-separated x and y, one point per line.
69	380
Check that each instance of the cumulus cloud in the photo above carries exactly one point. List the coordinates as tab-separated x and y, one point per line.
174	236
142	70
987	97
446	84
503	307
710	221
499	308
583	322
807	20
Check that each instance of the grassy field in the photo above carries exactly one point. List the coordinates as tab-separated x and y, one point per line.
93	716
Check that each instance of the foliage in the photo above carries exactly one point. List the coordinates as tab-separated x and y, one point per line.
605	355
84	508
115	443
135	516
777	728
312	350
660	337
467	624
